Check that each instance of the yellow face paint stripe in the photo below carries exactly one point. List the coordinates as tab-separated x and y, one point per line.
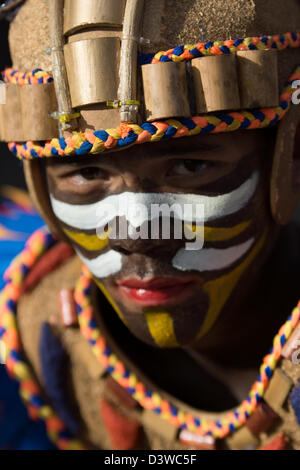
211	234
220	289
161	328
110	300
215	234
89	242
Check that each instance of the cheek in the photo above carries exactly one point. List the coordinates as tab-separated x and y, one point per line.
228	232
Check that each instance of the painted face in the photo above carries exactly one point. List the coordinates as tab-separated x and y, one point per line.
167	291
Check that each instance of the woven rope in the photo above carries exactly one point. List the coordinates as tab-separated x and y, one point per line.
35	77
202	49
93	143
153	401
31	392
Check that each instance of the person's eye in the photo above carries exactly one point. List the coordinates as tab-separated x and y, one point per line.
190	167
88	174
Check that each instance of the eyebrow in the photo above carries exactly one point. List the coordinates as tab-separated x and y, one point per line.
73	161
190	150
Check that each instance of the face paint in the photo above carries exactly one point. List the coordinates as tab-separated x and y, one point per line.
161	328
89	242
210	259
87	217
221	288
99	214
218	234
105	265
83	220
110	300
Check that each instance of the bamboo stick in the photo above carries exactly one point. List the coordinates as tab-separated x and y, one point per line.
83	14
58	63
165	90
258	76
92	68
129	56
216	83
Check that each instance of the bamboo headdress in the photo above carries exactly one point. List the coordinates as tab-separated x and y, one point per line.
87	76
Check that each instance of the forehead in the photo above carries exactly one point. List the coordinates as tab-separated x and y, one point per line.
228	147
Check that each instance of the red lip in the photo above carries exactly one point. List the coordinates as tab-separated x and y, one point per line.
156	291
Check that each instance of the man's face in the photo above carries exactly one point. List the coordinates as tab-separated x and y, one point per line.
167	294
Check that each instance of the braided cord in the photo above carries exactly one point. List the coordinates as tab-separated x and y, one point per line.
152	400
93	143
16	365
35	77
31	392
232	46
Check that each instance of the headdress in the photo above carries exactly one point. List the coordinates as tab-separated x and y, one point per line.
87	77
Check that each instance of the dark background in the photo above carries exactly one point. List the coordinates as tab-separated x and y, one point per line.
10	167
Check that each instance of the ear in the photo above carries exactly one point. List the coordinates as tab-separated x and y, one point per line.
285	179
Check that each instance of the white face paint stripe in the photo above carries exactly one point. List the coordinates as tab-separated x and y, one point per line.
210	259
104	265
92	216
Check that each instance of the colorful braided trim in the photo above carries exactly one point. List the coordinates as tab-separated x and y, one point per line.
152	400
202	49
35	77
93	143
31	392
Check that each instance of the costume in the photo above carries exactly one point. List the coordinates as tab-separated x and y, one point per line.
75	359
18	221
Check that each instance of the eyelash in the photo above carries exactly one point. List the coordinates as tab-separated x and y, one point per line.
203	164
94	172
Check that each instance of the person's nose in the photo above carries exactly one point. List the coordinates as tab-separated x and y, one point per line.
148	246
131	182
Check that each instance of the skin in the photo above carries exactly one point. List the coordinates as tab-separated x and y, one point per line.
208	165
255	308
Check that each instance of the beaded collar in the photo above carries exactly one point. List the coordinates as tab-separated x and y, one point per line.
31	391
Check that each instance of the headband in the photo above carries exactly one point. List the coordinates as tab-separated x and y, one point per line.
263	48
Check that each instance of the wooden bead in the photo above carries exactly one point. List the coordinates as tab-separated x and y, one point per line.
216	83
258	79
68	313
262	419
10	115
165	90
37	103
25	116
278	390
82	14
92	68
